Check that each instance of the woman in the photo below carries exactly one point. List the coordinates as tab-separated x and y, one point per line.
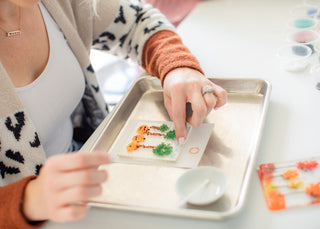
50	97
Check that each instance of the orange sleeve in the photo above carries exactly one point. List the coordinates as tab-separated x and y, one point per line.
10	206
164	52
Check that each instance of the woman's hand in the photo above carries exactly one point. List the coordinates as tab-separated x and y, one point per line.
65	183
184	85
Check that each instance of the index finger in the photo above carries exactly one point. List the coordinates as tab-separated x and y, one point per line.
179	117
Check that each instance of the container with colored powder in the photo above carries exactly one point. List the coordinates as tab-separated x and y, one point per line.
303	23
294	57
305	37
304	11
313	3
315	71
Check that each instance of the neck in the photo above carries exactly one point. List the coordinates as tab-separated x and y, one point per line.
9	12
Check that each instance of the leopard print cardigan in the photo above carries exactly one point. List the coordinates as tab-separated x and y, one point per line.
120	27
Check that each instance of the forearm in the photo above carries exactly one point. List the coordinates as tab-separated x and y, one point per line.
164	52
11	215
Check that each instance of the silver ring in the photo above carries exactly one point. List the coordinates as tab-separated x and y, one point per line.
207	89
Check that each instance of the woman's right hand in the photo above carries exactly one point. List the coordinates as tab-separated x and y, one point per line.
65	183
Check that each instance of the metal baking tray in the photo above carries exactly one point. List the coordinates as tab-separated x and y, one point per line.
232	147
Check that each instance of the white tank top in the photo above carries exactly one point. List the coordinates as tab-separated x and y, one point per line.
52	97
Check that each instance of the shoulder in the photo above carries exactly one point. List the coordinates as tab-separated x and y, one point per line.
82	12
84	6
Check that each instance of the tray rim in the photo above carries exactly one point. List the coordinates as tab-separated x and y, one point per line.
189	213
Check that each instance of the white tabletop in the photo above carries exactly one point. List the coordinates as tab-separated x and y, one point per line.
239	39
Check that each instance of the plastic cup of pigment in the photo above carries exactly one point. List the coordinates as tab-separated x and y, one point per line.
315	71
303	23
315	3
305	37
304	11
294	57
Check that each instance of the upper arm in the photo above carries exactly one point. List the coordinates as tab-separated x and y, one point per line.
131	25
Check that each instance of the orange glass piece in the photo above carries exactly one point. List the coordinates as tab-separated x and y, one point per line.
306	165
313	189
290	174
275	200
266	170
138	138
142	129
132	146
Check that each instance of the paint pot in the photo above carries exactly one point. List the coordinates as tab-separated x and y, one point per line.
314	3
303	23
300	50
304	11
315	71
294	57
305	37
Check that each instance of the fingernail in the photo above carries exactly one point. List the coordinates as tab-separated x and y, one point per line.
112	158
181	141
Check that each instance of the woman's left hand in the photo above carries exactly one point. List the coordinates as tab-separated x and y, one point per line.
184	85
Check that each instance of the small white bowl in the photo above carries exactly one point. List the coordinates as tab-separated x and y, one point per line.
194	178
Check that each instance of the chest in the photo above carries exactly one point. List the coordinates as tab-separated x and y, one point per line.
53	95
24	57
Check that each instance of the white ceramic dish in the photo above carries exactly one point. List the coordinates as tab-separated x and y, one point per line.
188	185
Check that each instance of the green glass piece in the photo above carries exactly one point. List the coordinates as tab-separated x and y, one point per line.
170	135
163	128
162	149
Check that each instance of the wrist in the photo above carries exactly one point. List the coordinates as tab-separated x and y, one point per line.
181	73
32	206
